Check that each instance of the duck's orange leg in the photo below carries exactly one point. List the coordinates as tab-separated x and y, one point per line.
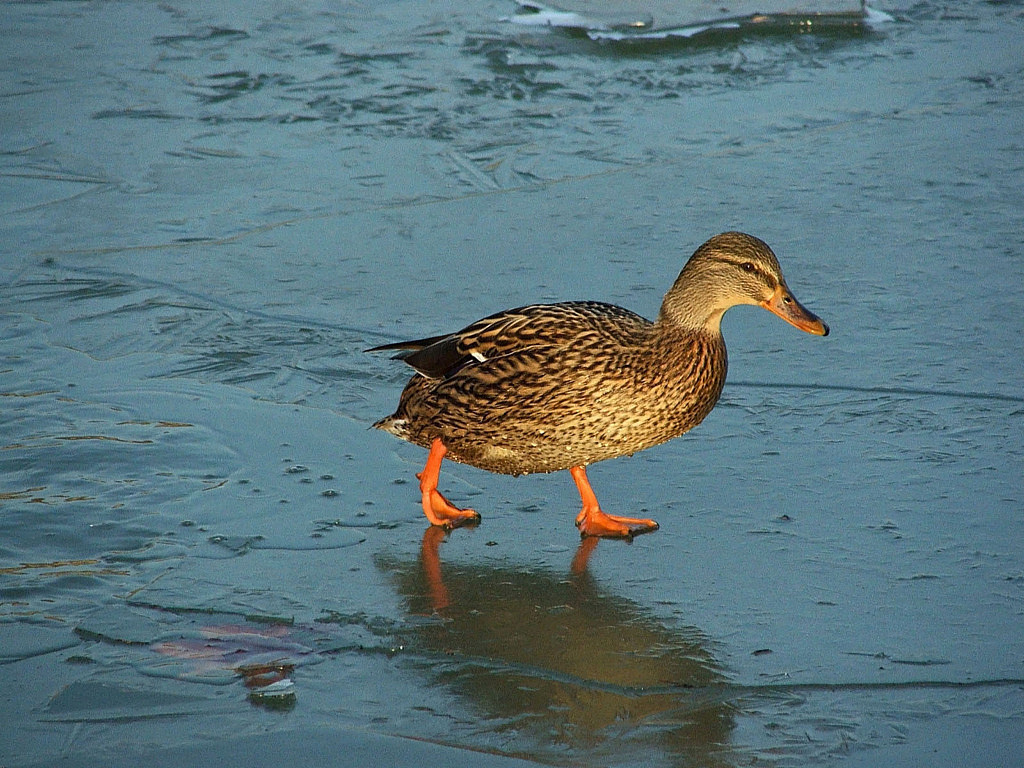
593	522
437	508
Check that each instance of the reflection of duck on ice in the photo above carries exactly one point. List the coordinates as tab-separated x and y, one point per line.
553	661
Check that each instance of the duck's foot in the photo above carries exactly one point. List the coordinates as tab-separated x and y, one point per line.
436	507
440	511
593	522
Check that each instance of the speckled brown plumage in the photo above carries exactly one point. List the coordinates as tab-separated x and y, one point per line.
517	412
547	387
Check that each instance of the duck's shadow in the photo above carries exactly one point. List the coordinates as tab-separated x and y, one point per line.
552	662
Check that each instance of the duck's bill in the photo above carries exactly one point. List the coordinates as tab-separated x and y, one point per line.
785	305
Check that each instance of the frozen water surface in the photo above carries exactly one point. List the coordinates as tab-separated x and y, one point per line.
206	557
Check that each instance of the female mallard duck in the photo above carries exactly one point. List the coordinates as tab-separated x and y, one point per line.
560	386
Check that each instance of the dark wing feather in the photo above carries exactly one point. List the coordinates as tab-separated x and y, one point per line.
408	345
435	357
514	330
438	360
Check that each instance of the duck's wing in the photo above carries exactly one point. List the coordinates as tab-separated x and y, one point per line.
434	357
513	331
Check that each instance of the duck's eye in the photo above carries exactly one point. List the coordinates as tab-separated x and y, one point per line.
748	266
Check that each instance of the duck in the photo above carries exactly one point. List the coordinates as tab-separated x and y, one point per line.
551	387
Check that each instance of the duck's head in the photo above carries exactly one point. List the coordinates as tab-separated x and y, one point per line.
729	269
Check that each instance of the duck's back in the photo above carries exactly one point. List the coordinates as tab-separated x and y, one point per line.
552	386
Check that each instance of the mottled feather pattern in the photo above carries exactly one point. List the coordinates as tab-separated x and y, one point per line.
498	413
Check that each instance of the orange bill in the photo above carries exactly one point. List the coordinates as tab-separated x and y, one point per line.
785	305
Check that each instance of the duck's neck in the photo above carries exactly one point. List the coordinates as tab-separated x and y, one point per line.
691	362
694	307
